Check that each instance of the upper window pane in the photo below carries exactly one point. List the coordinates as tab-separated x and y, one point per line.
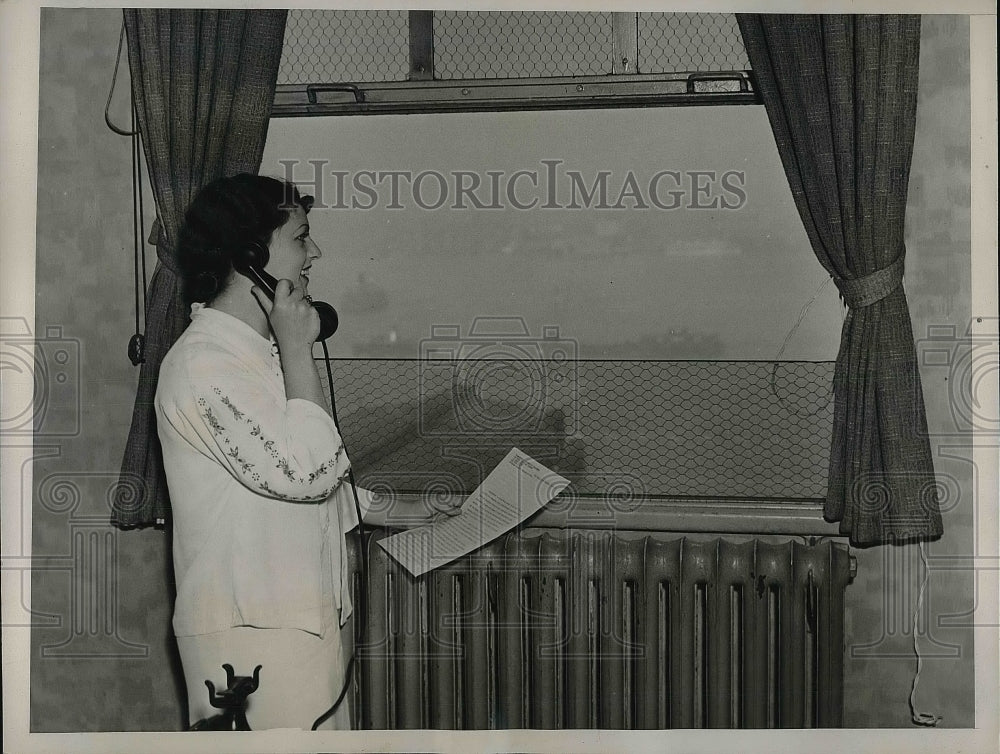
521	44
345	45
326	46
704	42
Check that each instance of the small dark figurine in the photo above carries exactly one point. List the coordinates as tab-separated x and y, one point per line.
232	702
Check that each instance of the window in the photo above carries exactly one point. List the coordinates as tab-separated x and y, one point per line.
657	247
623	282
366	62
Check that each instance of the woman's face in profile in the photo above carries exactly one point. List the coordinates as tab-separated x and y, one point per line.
292	250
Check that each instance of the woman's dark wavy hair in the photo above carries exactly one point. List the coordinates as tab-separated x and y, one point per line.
225	216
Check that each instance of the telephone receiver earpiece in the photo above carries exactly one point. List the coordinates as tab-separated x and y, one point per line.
250	261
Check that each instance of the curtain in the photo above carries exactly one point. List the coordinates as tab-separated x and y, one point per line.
840	93
203	82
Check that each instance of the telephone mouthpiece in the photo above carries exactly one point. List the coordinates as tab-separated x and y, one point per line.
328	320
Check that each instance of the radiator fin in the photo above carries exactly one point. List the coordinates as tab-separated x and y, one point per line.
595	630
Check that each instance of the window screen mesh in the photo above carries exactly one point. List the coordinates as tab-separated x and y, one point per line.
373	46
346	45
703	42
521	44
720	429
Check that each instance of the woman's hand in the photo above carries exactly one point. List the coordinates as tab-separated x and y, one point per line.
295	324
293	319
386	512
445	508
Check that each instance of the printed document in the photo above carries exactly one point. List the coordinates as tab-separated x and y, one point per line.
518	487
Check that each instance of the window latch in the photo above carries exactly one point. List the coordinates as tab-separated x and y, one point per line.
313	89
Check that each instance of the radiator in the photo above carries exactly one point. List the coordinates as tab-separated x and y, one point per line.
596	630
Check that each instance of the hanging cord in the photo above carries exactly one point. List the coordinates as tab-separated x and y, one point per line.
920	718
142	210
114	78
362	602
137	343
136	230
774	363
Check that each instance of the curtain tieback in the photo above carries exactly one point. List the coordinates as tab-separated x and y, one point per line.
163	253
867	290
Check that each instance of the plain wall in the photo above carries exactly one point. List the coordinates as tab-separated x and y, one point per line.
102	652
118	672
881	602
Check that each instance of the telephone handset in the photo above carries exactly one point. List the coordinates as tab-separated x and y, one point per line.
252	263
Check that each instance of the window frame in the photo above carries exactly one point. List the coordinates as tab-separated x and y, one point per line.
422	93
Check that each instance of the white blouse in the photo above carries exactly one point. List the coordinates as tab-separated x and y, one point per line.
257	486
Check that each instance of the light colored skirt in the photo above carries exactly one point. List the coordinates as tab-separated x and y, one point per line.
301	674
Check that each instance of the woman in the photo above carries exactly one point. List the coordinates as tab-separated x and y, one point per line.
255	465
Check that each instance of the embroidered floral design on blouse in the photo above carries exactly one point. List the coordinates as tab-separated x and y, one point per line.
269	446
283	465
320	471
225	402
213	422
234	452
302	498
